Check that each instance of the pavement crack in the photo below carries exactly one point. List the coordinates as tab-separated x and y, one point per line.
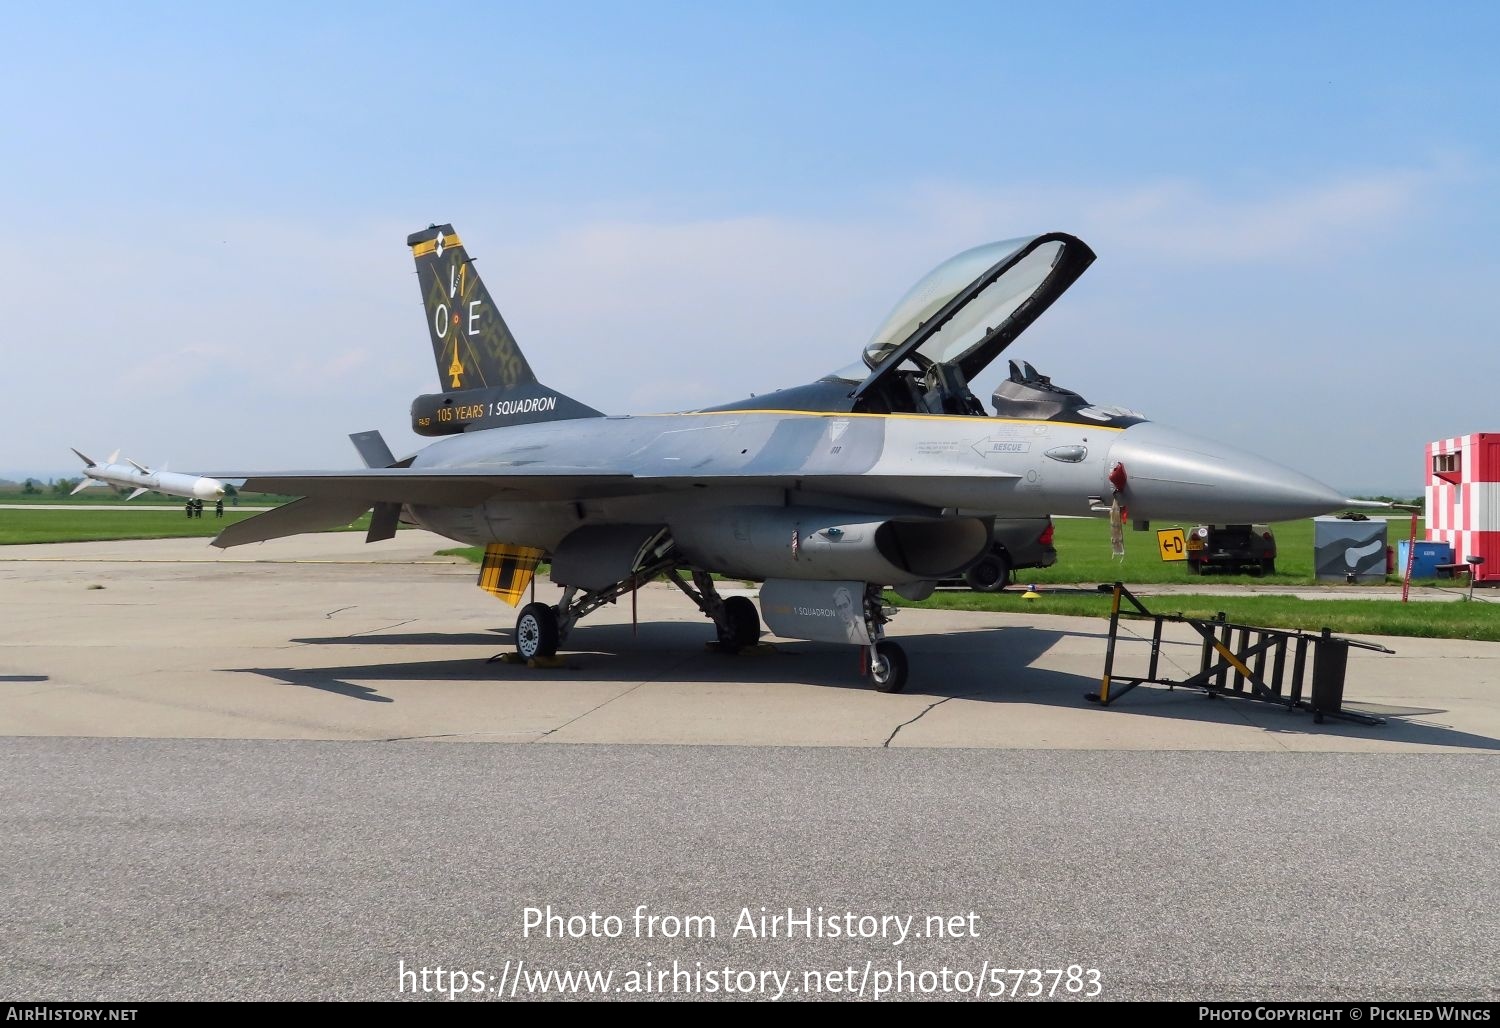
1243	714
451	735
331	613
387	628
416	738
939	703
620	695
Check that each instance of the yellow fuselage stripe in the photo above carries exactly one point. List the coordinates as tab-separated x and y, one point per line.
972	418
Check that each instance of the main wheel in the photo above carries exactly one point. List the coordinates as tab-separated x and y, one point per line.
888	667
536	631
1268	566
990	575
741	626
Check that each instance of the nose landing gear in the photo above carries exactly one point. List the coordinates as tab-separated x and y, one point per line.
888	666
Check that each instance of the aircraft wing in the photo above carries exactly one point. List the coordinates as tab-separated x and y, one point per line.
436	486
333	498
466	486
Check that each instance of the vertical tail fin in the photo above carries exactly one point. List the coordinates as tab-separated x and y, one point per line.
485	379
471	343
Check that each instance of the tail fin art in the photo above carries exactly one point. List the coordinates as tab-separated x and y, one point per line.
471	343
485	377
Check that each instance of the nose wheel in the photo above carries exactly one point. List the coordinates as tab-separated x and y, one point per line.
888	666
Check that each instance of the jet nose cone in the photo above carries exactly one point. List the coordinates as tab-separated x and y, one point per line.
1174	475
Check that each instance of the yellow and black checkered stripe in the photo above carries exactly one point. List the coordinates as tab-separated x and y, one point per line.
507	570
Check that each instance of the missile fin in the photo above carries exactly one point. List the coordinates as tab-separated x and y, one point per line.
87	462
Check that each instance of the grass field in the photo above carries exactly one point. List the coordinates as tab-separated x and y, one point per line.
1479	620
93	498
108	497
1142	565
1083	555
53	526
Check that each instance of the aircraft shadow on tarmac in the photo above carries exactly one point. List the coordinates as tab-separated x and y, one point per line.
988	665
498	639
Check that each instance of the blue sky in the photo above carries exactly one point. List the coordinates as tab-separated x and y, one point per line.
676	204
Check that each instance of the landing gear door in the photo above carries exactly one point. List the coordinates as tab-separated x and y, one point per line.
599	556
968	309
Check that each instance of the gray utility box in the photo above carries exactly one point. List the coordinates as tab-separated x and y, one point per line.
1349	551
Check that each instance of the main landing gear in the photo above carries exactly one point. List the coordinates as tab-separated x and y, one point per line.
735	619
537	632
541	628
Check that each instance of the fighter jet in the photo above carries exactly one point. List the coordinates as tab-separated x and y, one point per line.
131	475
888	473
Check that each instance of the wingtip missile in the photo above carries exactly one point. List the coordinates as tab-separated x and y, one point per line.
141	479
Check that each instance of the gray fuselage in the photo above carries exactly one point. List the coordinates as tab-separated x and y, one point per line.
683	468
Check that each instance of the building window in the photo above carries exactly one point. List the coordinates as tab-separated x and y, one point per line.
1447	466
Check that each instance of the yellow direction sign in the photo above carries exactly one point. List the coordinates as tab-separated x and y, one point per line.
1173	544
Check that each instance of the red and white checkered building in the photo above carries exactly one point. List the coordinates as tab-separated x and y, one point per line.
1463	498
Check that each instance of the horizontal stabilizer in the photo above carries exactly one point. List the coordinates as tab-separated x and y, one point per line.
305	515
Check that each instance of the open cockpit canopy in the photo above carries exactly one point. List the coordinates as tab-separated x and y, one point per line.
960	317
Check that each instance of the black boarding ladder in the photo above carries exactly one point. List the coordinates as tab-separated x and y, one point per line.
1232	662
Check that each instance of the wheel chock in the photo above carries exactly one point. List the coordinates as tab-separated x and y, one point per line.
546	663
746	651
